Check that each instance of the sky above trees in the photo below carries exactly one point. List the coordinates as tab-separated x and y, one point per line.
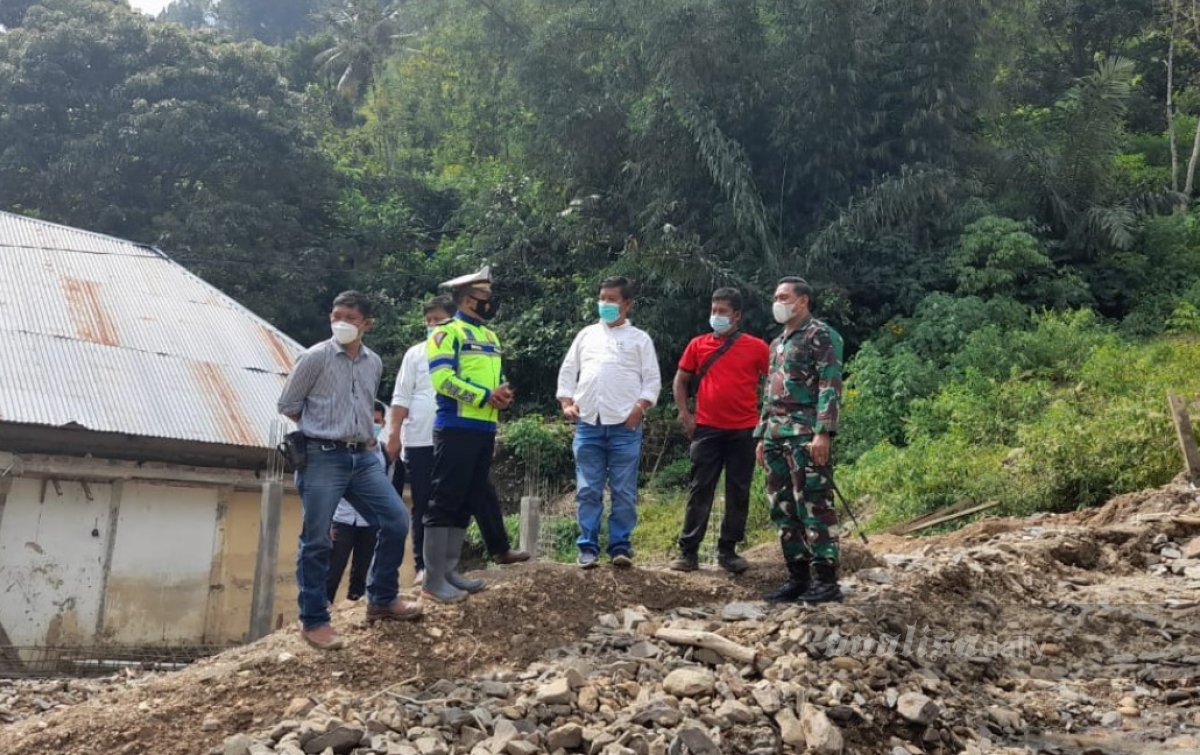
152	7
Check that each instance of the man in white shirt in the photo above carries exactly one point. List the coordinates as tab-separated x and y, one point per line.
609	379
353	536
410	445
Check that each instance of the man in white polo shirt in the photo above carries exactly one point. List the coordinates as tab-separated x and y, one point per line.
609	379
410	429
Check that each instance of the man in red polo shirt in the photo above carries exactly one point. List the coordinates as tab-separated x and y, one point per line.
730	365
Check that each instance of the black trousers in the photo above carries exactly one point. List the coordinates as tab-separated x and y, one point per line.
712	451
490	519
349	539
419	469
462	486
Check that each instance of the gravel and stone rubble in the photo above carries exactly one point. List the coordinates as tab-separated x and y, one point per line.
1065	635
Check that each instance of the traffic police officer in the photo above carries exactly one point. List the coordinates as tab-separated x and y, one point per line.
465	367
799	419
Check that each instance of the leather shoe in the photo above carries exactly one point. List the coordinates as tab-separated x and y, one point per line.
322	638
398	610
511	557
686	562
732	563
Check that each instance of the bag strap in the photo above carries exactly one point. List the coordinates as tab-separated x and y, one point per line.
708	363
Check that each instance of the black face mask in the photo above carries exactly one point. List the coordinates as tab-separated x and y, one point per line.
486	308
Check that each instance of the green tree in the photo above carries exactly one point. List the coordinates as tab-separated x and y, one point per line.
270	21
12	12
363	32
194	14
118	124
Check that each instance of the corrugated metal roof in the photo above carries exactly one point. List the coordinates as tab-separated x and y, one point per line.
115	337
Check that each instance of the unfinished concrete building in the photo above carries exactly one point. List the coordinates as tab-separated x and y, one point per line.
137	410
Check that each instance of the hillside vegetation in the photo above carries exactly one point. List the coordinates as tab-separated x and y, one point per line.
995	200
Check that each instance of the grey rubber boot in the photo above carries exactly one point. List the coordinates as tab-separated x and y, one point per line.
435	585
453	553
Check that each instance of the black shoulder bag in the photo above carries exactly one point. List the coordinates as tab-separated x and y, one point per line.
694	382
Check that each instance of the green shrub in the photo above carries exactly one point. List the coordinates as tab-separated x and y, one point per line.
1080	416
564	531
673	476
925	476
474	541
1111	432
541	446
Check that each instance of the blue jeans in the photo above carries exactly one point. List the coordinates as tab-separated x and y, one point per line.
331	474
606	455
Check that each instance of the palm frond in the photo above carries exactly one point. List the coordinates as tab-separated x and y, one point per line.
729	167
884	206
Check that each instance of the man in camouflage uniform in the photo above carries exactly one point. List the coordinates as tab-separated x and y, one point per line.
799	419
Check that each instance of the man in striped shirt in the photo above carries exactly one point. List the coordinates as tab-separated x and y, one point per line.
330	395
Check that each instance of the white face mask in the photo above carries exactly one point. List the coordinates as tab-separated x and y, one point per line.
782	312
344	332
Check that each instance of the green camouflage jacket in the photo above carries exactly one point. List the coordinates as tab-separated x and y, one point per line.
804	387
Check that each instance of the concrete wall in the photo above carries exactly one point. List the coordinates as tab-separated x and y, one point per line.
53	546
233	571
134	563
158	583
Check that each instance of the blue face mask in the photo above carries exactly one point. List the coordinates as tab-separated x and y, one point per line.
429	330
719	323
378	429
608	311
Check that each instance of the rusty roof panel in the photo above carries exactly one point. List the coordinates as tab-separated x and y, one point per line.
115	337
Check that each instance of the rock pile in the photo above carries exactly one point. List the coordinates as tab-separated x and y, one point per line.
968	651
22	698
702	681
1010	636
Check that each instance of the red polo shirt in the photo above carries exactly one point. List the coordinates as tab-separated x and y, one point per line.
728	395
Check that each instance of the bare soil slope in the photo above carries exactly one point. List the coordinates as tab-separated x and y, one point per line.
1075	633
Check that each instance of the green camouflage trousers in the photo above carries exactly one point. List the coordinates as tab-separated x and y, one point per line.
808	527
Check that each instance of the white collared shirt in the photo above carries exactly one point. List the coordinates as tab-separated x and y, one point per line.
414	391
609	369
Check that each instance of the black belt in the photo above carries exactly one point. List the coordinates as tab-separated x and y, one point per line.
353	446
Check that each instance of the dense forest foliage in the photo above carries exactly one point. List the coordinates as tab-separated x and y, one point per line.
993	198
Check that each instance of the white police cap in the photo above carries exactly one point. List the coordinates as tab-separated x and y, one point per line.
483	279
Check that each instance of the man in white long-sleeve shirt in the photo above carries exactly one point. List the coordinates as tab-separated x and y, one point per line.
410	429
609	379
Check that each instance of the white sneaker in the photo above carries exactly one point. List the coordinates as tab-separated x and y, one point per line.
419	579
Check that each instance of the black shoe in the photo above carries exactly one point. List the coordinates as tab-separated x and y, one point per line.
822	592
825	588
732	563
797	584
686	562
510	557
787	592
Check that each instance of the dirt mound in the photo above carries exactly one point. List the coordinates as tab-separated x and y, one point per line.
1177	497
1108	599
525	611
